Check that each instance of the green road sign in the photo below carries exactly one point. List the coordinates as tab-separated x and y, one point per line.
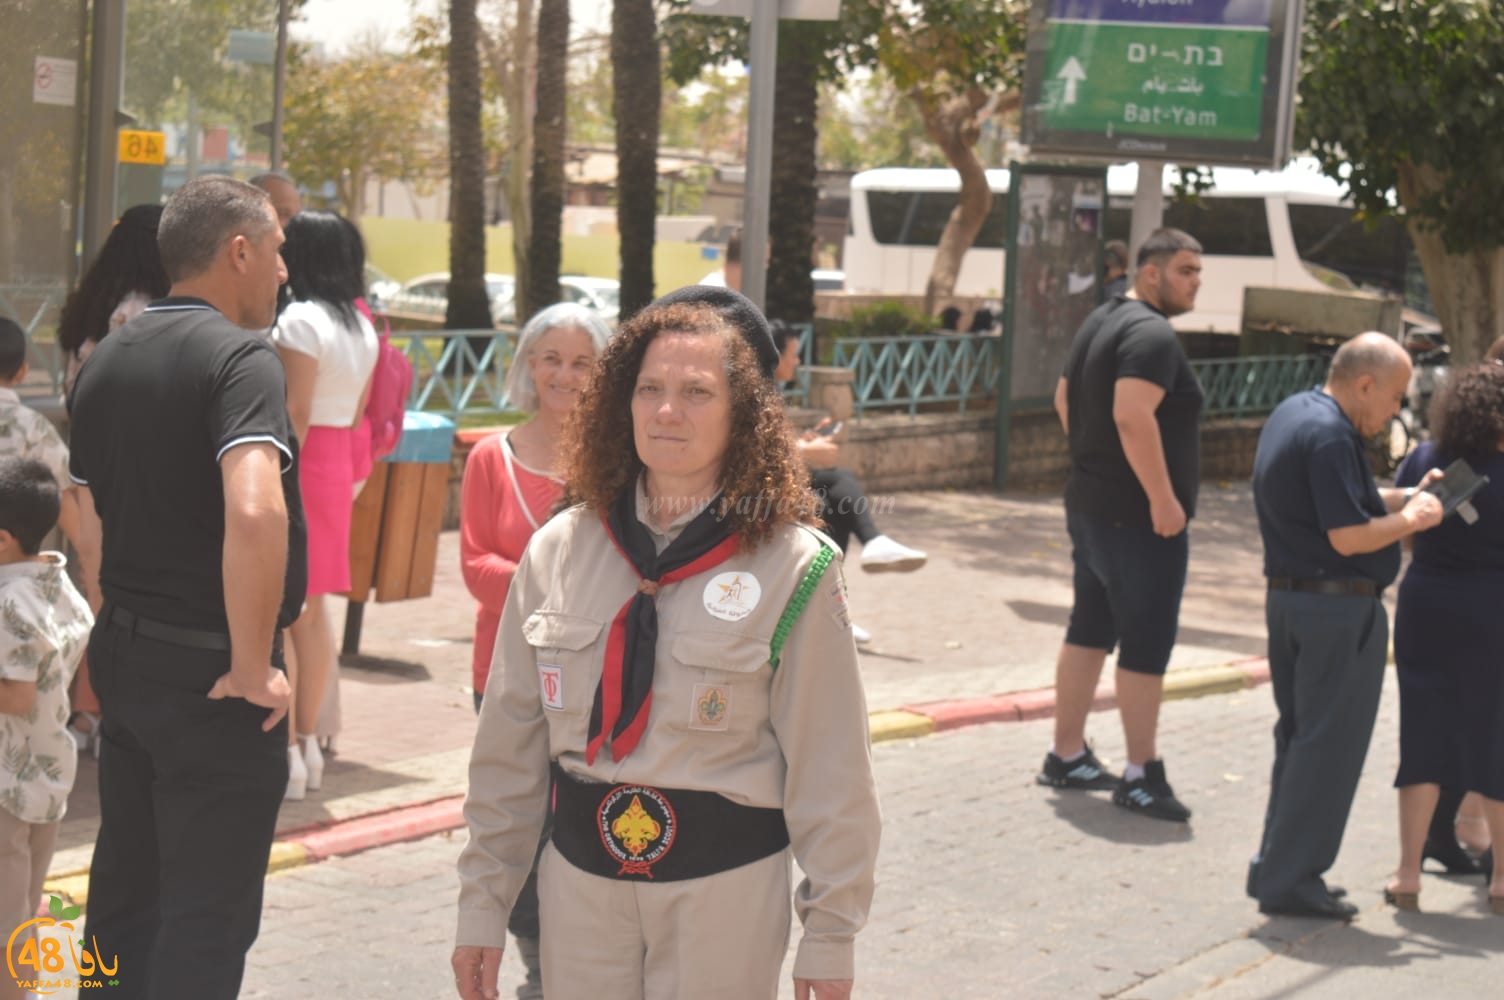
1149	79
1206	81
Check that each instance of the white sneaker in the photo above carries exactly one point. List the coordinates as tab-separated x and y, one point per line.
297	775
884	555
313	761
861	635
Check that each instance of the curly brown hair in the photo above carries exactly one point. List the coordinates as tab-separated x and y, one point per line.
1467	415
763	483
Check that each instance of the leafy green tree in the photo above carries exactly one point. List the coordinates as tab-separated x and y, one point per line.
867	123
1407	96
368	114
505	34
176	70
37	172
709	114
589	98
809	53
469	306
958	61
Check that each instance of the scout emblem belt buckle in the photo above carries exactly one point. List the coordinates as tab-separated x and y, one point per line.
637	826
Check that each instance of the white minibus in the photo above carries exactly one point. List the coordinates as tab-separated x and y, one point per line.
1286	229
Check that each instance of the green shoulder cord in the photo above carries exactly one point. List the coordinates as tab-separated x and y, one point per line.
796	604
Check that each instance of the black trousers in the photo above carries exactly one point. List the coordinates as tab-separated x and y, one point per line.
844	506
188	795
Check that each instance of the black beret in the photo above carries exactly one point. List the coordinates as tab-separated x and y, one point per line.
736	309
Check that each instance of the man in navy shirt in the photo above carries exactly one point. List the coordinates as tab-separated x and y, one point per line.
1132	409
1331	546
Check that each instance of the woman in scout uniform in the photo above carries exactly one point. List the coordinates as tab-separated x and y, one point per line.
676	650
511	485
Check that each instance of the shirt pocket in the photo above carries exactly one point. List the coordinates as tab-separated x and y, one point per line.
568	663
717	687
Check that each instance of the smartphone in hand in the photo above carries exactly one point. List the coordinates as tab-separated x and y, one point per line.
1458	485
830	428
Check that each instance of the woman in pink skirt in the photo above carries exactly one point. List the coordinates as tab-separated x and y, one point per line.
329	350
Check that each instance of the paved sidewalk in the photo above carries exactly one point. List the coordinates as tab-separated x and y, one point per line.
984	617
990	887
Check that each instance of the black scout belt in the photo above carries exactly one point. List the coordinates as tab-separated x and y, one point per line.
639	833
1332	588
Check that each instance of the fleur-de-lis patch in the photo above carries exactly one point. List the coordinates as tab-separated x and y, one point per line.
711	710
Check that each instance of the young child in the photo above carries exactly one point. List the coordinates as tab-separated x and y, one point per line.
25	433
44	624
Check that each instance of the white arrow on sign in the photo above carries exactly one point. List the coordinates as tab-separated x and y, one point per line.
1071	73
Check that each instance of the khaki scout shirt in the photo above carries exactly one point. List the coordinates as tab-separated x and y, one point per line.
723	720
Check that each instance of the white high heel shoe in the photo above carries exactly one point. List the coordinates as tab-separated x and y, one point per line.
313	762
297	775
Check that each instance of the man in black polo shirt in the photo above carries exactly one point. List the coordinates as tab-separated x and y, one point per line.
1331	545
1132	409
182	443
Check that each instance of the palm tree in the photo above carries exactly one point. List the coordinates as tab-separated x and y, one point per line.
544	248
637	90
791	229
469	306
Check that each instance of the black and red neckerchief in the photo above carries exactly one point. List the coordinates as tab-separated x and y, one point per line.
625	694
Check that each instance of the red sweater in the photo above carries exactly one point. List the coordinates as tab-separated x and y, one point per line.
494	529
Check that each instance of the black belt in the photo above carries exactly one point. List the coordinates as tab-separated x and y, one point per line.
114	614
1333	588
639	833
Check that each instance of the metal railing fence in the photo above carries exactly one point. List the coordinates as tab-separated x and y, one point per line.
1254	386
459	372
905	372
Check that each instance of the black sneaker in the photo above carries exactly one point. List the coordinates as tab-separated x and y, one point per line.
1084	772
1151	795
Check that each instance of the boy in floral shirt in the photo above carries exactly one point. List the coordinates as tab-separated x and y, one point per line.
44	625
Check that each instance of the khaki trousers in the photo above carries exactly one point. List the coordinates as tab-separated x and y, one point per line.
722	937
25	852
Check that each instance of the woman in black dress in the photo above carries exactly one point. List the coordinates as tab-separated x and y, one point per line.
1449	632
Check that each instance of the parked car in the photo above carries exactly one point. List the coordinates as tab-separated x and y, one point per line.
428	295
827	280
600	295
379	288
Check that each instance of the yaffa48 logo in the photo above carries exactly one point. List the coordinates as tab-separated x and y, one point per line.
39	963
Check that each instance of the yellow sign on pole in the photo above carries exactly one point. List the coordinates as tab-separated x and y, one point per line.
143	147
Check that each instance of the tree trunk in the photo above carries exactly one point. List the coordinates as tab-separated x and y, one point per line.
636	95
951	123
520	141
791	229
545	249
469	306
1467	289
